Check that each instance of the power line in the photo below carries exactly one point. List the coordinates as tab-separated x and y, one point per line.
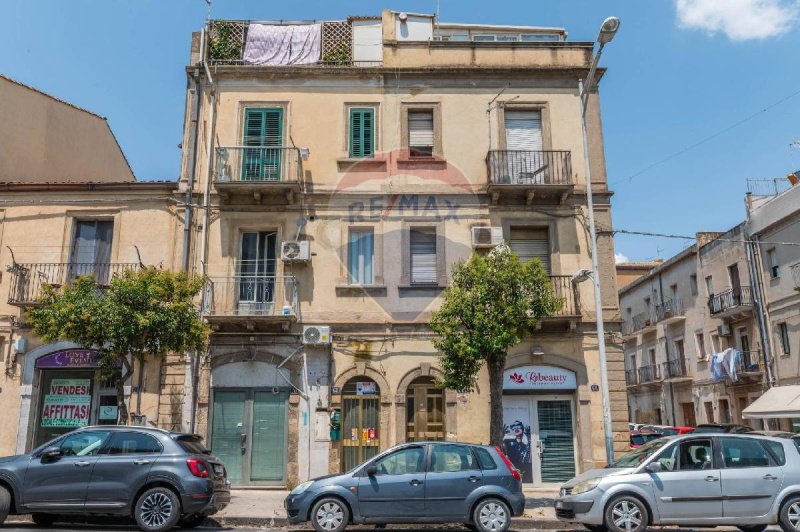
684	237
706	139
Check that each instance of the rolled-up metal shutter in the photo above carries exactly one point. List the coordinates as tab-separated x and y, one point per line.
523	130
420	131
531	243
423	257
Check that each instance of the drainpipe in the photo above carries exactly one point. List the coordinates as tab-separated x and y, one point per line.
753	252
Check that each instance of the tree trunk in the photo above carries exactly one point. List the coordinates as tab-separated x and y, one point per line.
122	408
496	368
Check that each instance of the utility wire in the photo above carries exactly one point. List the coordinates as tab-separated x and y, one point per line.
706	139
683	237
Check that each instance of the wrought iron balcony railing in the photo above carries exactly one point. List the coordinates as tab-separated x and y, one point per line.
752	362
251	296
28	280
731	299
630	377
795	269
649	374
675	368
257	164
516	167
671	308
564	288
641	321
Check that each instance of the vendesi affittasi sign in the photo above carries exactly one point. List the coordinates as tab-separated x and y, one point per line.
539	378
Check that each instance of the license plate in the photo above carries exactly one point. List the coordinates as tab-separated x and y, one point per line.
559	505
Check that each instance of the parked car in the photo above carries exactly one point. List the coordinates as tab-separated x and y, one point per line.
694	480
640	437
161	479
674	431
722	427
635	426
414	483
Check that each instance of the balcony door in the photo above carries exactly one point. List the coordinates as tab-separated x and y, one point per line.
523	131
263	130
256	272
91	250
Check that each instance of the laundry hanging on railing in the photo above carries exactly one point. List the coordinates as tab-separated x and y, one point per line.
269	44
725	364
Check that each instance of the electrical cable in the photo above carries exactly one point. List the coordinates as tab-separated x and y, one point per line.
684	237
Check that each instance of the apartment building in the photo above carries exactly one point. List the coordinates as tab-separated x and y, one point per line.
69	206
676	318
343	177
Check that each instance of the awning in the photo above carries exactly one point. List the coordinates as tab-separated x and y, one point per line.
780	401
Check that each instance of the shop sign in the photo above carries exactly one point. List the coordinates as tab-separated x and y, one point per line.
67	403
69	358
539	378
366	388
108	413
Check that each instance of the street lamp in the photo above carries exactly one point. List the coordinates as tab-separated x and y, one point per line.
607	32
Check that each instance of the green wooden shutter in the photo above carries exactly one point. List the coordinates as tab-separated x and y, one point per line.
263	129
362	132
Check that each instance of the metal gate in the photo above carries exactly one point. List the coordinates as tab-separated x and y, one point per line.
360	429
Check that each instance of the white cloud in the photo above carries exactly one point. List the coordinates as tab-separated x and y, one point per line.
740	20
619	257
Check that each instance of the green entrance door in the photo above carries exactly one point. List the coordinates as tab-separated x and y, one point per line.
248	433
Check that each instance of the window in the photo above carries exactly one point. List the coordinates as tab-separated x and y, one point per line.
783	332
531	243
508	38
674	291
540	37
689	419
91	249
256	270
680	352
524	162
420	132
776	450
83	443
693	284
362	133
742	452
700	342
774	267
485	459
451	459
651	355
709	286
263	130
668	458
423	256
709	406
695	454
715	345
724	411
132	443
360	256
403	462
483	38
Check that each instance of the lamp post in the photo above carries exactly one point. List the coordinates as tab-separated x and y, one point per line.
607	32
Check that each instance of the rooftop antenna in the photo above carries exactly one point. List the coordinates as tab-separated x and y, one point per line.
438	13
208	14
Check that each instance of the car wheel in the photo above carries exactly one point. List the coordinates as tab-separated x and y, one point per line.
330	515
789	518
491	515
43	519
5	504
157	509
752	528
191	520
626	514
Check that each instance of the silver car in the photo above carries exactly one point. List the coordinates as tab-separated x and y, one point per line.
737	480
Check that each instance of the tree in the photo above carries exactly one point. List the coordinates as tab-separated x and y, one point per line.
492	303
144	313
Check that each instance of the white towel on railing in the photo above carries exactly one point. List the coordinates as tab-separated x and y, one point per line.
283	45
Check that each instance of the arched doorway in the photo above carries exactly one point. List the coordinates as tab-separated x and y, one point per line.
424	411
360	421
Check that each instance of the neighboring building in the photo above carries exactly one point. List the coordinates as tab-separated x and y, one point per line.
344	178
69	205
628	272
694	305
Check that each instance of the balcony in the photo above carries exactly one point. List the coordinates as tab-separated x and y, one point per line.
670	311
649	374
643	322
752	363
675	368
630	377
28	280
564	288
263	171
529	174
250	300
730	303
795	269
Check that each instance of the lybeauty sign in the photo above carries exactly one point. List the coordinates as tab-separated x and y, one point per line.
539	378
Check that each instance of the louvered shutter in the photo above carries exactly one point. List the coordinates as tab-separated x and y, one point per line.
362	133
523	130
263	129
531	244
423	257
420	132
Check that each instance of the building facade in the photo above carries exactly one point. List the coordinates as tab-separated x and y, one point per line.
342	182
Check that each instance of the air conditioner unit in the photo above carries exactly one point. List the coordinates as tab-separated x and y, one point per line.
296	251
486	237
724	329
316	335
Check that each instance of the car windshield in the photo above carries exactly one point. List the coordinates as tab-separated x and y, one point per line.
192	445
639	455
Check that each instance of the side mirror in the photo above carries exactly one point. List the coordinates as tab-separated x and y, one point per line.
50	453
654	467
371	470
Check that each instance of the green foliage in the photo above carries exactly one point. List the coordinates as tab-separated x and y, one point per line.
340	54
493	301
224	44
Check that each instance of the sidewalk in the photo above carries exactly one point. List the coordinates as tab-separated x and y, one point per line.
263	508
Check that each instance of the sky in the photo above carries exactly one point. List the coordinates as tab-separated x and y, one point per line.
699	95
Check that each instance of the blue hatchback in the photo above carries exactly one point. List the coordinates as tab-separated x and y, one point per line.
415	483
